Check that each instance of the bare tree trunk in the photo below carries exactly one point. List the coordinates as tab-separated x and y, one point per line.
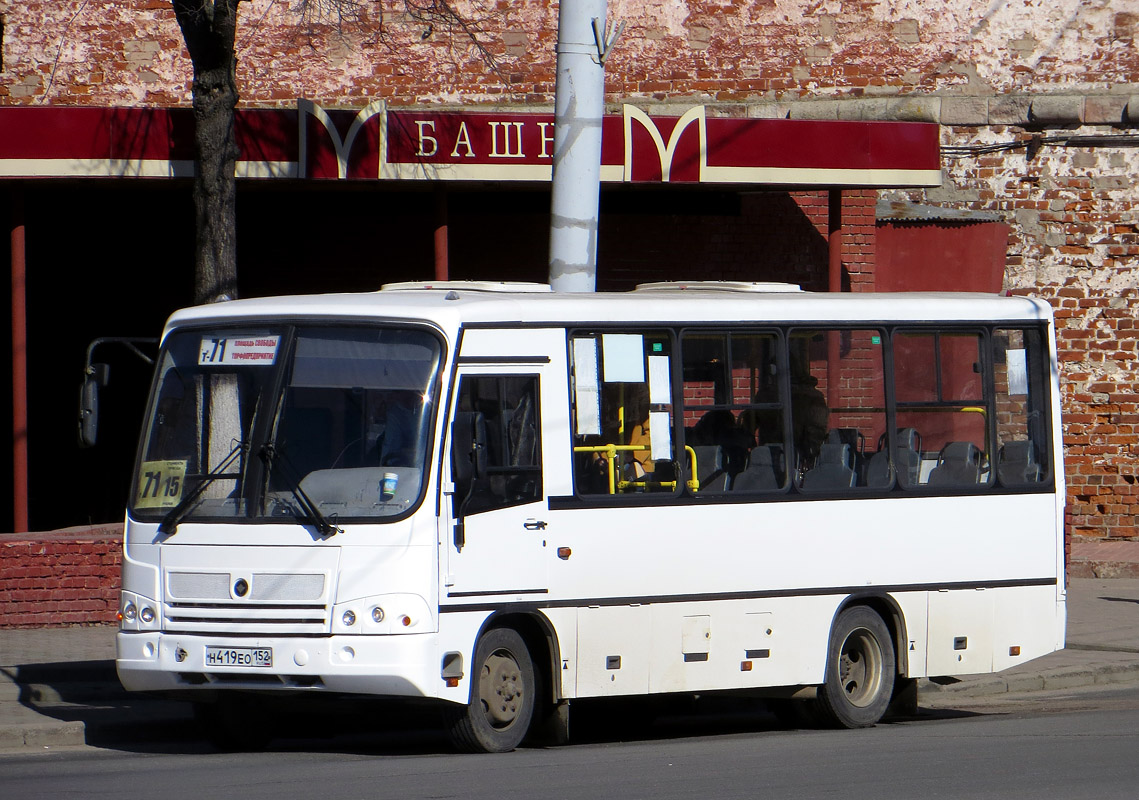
209	28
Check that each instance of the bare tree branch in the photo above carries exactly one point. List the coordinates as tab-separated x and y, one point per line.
442	13
436	16
209	28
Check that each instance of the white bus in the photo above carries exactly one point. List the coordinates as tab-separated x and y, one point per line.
502	498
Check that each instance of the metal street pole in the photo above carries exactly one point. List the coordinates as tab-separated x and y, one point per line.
579	104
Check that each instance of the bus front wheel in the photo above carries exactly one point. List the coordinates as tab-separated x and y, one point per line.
861	667
502	698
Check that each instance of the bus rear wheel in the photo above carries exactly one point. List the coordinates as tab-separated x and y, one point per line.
861	667
501	707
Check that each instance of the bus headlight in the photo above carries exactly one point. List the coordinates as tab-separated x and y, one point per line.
137	612
383	614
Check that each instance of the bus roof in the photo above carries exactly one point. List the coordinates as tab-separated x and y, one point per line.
453	304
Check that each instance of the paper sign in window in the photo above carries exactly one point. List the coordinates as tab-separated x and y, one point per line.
587	397
660	389
624	357
160	484
660	436
254	350
1017	372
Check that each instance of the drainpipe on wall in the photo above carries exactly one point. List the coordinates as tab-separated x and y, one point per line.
579	104
834	284
834	240
442	270
19	368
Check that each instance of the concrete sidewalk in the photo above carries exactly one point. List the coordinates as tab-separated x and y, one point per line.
58	685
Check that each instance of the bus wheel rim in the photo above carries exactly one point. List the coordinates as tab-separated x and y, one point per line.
860	667
501	689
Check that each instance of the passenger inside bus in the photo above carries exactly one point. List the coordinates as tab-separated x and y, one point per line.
809	417
637	464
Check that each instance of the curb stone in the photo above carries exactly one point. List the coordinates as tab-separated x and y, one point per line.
1066	678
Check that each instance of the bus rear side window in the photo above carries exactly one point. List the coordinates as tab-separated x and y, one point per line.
1021	399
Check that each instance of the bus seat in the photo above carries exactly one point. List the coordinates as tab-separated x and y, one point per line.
834	469
1017	464
850	436
958	464
710	468
907	460
759	475
857	441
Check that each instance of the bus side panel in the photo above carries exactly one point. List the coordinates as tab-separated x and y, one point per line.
684	647
614	650
739	644
972	631
960	637
458	632
1022	627
911	643
564	622
690	561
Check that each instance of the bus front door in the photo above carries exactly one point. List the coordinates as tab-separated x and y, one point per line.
498	511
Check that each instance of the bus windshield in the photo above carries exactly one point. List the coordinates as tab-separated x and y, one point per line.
276	421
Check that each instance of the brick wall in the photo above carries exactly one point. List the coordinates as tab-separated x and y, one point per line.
62	578
760	236
74	52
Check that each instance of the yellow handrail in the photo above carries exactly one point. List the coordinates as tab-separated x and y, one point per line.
611	450
693	482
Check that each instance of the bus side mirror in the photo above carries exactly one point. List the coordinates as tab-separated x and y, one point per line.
95	376
468	453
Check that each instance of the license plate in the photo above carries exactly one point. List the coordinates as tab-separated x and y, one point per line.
239	656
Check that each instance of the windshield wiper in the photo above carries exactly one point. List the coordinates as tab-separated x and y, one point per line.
308	510
175	515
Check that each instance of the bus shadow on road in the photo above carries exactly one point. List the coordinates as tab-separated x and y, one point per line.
134	722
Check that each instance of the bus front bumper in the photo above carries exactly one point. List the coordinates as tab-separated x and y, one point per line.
393	666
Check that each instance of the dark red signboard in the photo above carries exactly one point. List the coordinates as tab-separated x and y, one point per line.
378	143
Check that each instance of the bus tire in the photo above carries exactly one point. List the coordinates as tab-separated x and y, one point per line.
861	667
503	692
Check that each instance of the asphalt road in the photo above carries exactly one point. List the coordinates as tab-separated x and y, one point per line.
1068	746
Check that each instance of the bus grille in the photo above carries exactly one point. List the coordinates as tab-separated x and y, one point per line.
246	618
276	603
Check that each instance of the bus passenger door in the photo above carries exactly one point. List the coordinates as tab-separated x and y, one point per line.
497	502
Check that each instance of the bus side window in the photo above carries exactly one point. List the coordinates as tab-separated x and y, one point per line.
733	410
838	408
1021	398
509	406
622	426
940	390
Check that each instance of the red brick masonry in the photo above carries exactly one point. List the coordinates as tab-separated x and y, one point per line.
66	577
